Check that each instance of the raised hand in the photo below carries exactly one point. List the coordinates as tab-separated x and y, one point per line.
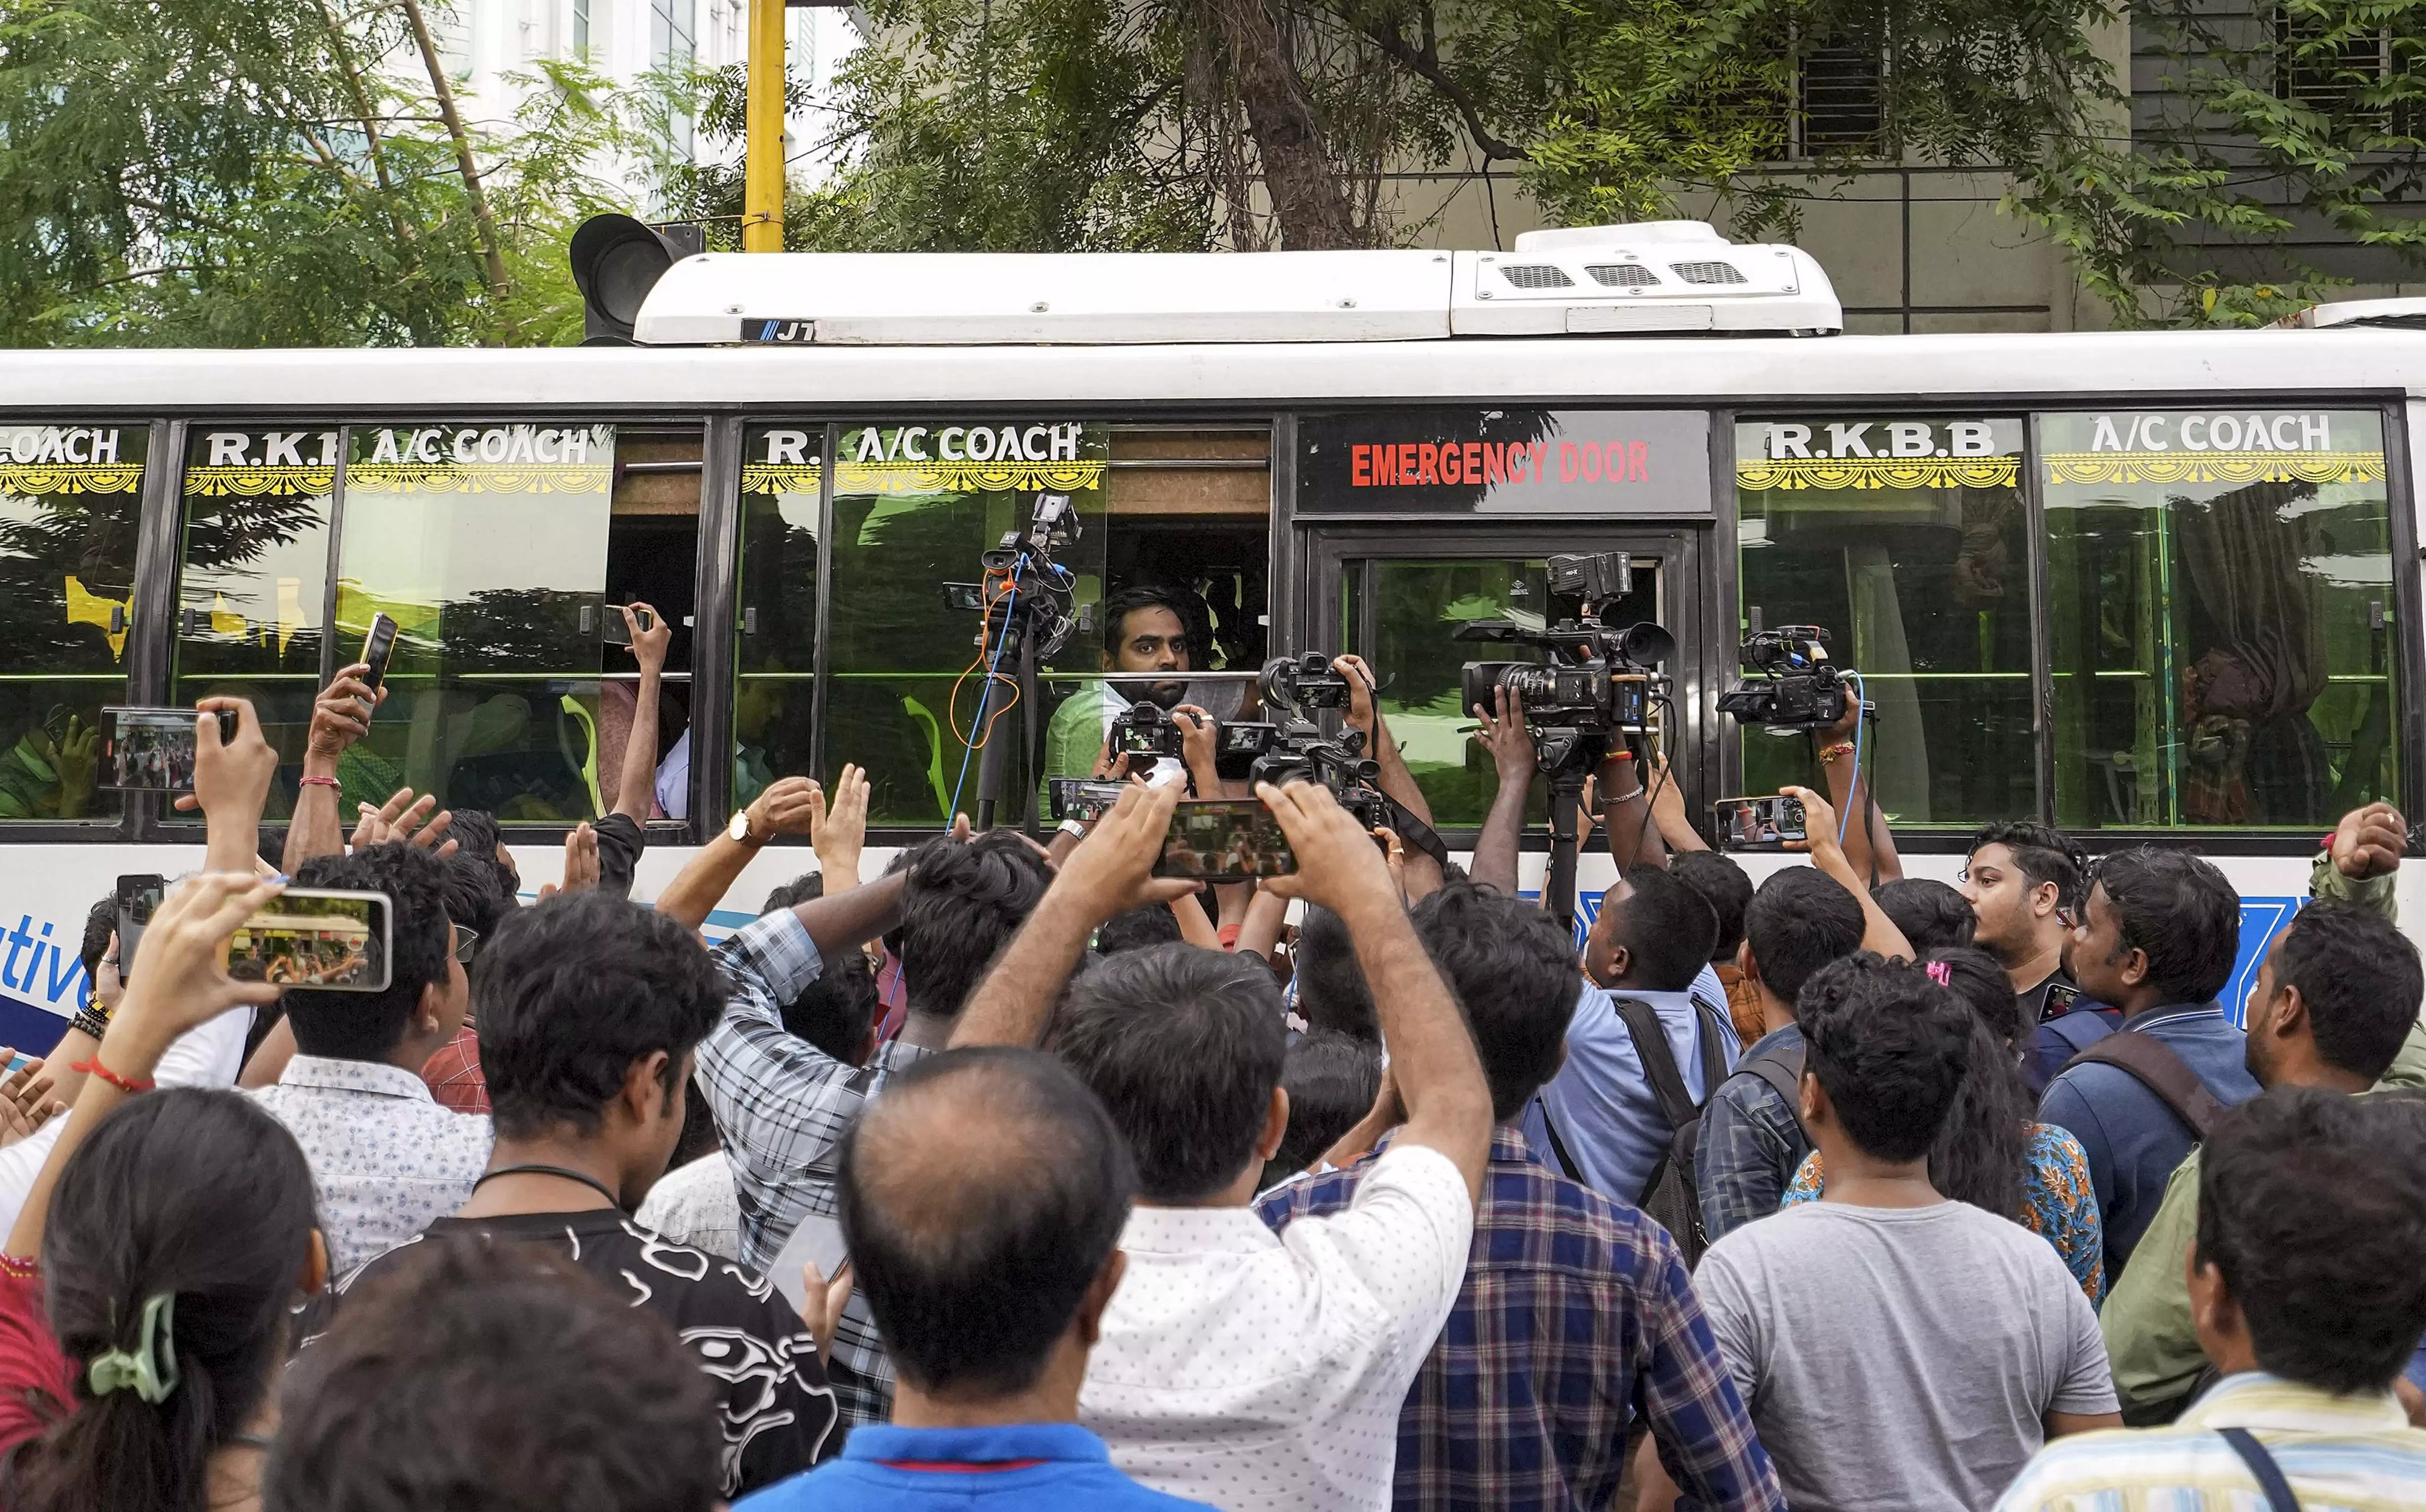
185	981
580	863
25	1099
341	714
838	831
407	818
648	646
1196	737
1504	736
1338	866
1111	871
788	806
2368	842
1361	684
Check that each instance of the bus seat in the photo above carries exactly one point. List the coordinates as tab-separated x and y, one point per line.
935	754
585	763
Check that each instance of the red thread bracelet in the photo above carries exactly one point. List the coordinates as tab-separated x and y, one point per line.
318	781
125	1083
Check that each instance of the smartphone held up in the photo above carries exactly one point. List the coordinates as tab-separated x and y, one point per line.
1224	840
151	751
1764	823
323	938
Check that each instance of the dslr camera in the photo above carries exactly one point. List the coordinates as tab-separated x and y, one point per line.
1296	749
1797	687
1146	730
1597	678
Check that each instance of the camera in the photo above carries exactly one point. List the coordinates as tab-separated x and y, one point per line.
1597	676
1023	578
1144	728
1797	688
1306	681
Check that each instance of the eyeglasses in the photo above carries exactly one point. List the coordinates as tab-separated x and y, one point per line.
468	943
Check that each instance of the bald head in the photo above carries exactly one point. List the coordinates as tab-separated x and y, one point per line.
981	1198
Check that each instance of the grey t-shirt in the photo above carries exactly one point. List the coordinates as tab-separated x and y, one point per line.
1900	1357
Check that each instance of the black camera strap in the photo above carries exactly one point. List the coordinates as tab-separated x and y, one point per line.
1413	831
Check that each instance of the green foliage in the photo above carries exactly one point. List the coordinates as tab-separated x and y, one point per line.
251	172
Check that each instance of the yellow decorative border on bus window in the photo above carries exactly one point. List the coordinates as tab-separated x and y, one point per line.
2214	467
782	477
252	482
478	478
70	477
1879	473
969	477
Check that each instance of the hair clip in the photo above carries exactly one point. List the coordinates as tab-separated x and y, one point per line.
1939	974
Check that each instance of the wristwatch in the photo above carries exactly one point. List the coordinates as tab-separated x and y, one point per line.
739	829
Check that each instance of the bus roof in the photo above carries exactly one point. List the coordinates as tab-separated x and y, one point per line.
442	381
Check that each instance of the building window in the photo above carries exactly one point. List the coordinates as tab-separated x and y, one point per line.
2317	70
581	30
1842	99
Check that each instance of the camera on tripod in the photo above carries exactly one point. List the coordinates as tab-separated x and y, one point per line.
1022	578
1598	677
1798	688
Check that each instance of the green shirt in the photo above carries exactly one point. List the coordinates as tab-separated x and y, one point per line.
2147	1315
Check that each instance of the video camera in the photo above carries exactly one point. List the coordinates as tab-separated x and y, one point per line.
1021	577
1797	688
1598	677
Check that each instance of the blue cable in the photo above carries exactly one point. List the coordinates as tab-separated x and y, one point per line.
1860	696
968	748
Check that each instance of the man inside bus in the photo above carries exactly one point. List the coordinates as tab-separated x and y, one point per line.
1147	635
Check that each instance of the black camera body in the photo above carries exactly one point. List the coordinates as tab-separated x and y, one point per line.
1021	577
1797	688
1306	681
1302	754
1145	729
1597	679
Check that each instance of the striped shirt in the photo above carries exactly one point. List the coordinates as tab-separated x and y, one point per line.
782	1106
2340	1454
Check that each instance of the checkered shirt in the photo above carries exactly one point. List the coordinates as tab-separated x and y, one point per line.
1577	1320
782	1106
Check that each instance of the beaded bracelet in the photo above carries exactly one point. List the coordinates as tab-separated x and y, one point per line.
318	781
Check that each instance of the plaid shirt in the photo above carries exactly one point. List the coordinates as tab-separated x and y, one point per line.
782	1106
1577	1319
1752	1143
453	1074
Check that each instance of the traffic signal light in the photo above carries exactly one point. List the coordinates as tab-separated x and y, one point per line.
616	261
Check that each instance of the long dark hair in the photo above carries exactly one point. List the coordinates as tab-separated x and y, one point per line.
191	1192
1984	1151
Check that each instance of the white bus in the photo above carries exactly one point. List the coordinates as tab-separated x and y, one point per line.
2147	586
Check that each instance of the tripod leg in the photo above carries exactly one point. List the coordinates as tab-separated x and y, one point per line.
1559	892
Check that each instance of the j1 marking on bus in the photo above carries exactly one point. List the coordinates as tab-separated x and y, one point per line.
787	332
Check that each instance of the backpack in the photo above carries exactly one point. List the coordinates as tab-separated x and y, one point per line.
1668	1197
2161	1069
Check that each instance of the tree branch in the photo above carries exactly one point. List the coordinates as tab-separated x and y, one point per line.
1425	64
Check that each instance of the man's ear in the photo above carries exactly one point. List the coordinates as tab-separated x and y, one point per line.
315	1278
2288	1015
1090	1322
429	1009
644	1096
1268	1144
1746	964
2045	899
1814	1103
2134	966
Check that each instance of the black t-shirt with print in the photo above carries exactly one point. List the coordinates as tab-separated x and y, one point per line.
778	1412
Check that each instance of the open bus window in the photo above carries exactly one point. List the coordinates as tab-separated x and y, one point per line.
2220	619
652	558
252	582
1904	538
70	499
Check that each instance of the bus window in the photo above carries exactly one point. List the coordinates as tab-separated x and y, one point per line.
776	603
2220	620
652	558
914	505
1902	539
253	577
488	543
70	499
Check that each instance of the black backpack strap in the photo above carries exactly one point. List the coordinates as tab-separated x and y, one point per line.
1659	1062
1557	1146
2161	1069
2261	1463
1710	1043
1783	1070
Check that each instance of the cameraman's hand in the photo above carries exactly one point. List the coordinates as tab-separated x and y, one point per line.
648	646
1111	871
1361	684
1819	823
341	714
1338	866
1196	740
1504	736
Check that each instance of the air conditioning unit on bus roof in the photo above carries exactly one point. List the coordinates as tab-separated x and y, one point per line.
1662	277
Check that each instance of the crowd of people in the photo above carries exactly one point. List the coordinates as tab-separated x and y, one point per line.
1019	1175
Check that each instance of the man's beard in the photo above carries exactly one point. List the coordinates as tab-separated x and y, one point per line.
1150	687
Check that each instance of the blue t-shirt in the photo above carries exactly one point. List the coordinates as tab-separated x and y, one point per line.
2132	1139
1011	1468
1601	1103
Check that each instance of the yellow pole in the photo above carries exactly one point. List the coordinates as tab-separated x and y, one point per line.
762	190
